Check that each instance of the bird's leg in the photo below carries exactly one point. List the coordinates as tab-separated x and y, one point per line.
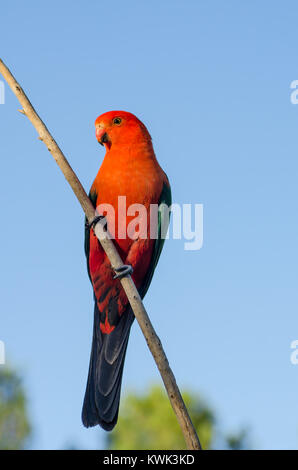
123	271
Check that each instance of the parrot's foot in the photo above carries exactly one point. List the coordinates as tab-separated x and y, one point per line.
96	219
123	271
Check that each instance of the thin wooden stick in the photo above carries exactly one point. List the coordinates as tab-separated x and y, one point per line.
154	343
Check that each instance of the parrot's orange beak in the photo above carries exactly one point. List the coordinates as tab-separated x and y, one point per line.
101	135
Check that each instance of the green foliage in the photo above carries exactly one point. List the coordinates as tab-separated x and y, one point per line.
148	422
14	424
238	441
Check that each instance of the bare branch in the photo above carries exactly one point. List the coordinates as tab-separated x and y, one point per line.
154	343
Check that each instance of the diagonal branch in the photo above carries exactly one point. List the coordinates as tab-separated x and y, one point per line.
154	343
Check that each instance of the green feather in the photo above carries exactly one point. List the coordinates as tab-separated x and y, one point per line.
93	199
163	221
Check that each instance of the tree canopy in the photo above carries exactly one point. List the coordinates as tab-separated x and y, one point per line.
147	421
14	423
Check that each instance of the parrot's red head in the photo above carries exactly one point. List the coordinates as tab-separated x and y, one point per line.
120	128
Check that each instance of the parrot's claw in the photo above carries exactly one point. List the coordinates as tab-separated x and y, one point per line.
96	219
123	271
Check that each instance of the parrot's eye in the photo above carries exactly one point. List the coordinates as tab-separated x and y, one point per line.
117	121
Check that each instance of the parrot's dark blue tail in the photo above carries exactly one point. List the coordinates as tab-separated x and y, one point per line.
102	397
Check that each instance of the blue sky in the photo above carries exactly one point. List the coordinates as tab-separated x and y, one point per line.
211	80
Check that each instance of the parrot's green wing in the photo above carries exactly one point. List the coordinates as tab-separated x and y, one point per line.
164	205
93	199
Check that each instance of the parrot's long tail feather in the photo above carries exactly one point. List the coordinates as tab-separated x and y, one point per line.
101	402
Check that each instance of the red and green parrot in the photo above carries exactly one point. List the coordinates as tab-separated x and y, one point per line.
130	169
